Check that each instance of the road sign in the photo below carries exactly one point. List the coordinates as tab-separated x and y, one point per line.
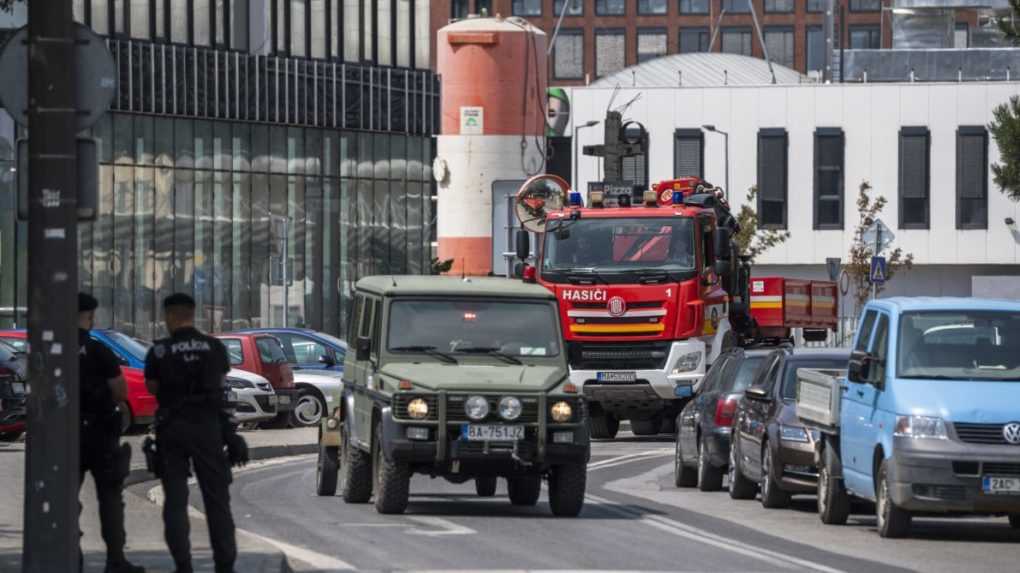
95	77
878	271
878	234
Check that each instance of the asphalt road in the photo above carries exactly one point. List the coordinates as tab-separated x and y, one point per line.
634	519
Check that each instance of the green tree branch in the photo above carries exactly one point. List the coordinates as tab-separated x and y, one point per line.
752	241
1005	128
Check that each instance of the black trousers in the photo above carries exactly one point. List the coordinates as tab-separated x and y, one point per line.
102	457
196	440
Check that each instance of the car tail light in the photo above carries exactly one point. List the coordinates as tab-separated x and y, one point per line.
725	408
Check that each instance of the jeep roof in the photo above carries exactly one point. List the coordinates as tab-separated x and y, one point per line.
417	285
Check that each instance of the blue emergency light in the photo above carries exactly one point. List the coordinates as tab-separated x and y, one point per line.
575	198
678	197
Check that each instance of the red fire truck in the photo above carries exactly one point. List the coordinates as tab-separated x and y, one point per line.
651	291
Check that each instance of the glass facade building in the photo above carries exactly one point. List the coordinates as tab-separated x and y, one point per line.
263	184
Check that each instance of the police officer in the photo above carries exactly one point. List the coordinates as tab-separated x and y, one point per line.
102	455
186	374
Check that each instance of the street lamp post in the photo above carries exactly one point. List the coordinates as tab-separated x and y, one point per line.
576	144
726	156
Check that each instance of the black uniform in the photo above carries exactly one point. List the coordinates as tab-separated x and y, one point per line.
190	367
101	453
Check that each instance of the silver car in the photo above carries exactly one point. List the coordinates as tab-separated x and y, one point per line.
252	396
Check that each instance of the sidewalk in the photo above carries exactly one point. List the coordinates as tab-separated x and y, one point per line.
143	519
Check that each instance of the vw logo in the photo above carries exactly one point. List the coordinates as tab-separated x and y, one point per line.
616	306
1012	432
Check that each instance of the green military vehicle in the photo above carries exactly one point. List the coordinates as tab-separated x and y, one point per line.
464	379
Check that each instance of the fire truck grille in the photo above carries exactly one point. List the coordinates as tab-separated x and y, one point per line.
633	356
634	305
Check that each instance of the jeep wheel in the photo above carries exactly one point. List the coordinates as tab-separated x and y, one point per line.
392	480
524	490
566	489
709	476
485	486
603	426
355	471
740	487
772	494
893	522
833	501
327	469
683	475
648	427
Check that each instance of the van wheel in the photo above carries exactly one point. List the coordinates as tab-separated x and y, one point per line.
327	469
392	480
603	426
485	486
683	475
893	522
355	472
709	476
524	490
833	501
566	489
649	427
772	494
740	487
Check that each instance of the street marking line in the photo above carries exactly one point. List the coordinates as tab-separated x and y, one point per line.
706	537
445	526
658	452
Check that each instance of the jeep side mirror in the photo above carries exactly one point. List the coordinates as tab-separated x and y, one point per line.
758	393
523	239
364	348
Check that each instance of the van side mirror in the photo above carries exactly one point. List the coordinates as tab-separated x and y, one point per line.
363	348
863	368
523	239
758	393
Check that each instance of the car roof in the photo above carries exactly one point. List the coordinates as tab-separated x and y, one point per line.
906	304
416	285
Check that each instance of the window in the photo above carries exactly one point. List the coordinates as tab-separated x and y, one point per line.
865	38
688	153
422	35
864	336
483	7
317	10
829	178
773	166
298	41
915	144
403	33
815	48
352	30
779	41
865	5
568	55
459	9
880	345
736	6
651	7
816	5
574	7
301	349
270	350
694	7
972	177
744	375
737	41
384	33
694	40
140	19
202	25
234	350
966	345
238	24
779	6
961	36
610	51
527	7
610	7
651	43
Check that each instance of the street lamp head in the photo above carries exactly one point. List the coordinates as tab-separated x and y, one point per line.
708	127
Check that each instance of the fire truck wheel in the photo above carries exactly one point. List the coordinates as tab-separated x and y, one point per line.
603	426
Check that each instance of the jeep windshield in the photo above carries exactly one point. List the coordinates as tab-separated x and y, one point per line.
653	249
960	345
500	329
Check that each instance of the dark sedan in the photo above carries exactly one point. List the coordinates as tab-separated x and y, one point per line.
772	451
704	425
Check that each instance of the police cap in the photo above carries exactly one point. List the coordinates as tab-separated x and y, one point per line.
87	302
179	299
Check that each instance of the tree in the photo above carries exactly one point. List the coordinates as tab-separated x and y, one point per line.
1005	129
439	267
751	240
1010	26
859	265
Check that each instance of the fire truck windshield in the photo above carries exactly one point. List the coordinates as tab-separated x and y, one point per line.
619	248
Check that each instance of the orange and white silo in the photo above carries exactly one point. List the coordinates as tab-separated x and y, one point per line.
493	74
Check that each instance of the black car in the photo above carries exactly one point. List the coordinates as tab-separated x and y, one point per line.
703	427
773	452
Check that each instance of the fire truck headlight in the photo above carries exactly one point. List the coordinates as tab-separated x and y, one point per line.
687	363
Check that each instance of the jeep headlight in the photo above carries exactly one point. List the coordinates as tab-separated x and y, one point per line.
561	412
920	427
510	408
687	363
418	409
476	408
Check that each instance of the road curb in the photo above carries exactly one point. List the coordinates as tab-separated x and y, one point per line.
138	476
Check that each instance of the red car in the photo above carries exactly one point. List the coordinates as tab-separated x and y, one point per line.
263	354
130	353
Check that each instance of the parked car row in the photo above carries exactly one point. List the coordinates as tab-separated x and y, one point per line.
12	392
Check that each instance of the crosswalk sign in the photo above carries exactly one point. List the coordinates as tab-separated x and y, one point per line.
878	270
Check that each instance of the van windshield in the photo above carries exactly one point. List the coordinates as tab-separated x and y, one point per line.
471	326
959	345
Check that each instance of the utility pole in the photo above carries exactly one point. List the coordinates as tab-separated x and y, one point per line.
51	461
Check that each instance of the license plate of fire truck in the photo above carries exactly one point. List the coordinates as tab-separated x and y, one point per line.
616	376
